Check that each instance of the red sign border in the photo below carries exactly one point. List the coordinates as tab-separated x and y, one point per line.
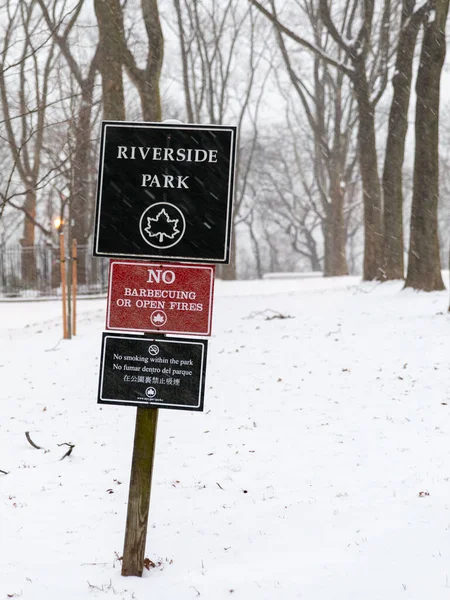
142	263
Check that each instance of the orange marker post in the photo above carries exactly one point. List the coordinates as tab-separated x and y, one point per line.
74	286
62	260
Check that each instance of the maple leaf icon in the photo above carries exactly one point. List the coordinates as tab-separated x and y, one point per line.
158	318
162	226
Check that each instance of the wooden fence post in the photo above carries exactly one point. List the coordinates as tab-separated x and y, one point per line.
139	494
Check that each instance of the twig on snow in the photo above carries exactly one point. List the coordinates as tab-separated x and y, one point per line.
4	472
30	441
69	451
54	347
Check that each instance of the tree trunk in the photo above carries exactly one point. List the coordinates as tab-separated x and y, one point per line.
228	272
27	242
314	260
256	252
424	268
369	174
327	244
393	267
149	88
79	195
184	63
110	31
335	235
146	80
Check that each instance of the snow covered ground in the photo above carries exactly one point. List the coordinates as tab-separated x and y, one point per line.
320	468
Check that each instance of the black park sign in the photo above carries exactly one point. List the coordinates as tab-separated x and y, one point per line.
152	372
165	191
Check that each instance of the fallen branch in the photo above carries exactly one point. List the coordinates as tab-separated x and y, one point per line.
268	317
278	316
103	588
69	451
54	347
4	472
30	441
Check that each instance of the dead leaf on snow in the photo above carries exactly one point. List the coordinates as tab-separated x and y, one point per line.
149	564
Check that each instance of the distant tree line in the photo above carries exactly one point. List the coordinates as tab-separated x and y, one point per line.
321	92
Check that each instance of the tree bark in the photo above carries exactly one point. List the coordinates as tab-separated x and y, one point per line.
184	63
111	35
393	267
146	80
228	272
149	90
28	259
80	192
335	235
424	268
368	158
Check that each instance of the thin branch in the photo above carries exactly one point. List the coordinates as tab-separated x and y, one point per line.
69	451
301	41
30	441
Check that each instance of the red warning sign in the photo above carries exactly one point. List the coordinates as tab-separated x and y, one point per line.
164	298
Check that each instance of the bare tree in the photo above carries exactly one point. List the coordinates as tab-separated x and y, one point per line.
110	57
365	49
424	268
146	79
412	18
328	105
217	42
26	62
79	120
295	208
116	54
63	24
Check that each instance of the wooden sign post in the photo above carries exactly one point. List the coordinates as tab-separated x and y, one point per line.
164	194
139	493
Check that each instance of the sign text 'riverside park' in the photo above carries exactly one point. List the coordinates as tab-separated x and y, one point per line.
169	199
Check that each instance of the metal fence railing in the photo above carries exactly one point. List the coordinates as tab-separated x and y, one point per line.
34	272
